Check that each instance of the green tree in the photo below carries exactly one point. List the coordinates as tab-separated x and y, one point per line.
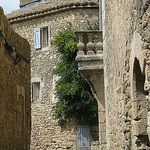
76	98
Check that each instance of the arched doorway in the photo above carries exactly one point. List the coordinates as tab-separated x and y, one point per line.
139	108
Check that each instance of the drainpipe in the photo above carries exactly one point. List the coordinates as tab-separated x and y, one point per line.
100	15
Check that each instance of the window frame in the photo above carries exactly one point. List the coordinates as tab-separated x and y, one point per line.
36	91
39	37
44	37
41	86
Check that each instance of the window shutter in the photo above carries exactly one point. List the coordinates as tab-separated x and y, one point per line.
49	33
37	38
83	137
56	80
31	92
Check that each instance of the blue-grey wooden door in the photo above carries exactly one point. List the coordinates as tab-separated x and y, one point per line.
83	137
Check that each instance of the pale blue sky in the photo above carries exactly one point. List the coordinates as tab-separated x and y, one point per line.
9	5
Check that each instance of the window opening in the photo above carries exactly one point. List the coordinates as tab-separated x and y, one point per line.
41	37
35	91
44	32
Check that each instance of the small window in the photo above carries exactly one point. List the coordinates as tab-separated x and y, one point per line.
56	79
41	37
35	91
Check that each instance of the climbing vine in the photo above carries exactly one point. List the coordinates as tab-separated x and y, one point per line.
75	96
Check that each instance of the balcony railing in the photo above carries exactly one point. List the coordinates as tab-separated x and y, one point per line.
90	42
90	54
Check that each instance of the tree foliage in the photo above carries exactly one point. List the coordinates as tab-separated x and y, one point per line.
76	98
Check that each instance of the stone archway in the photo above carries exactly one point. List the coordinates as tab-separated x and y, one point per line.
95	79
139	136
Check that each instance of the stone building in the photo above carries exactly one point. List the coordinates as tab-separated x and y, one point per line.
127	48
118	73
122	72
15	104
39	22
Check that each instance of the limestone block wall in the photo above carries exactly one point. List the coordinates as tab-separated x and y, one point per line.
46	134
126	42
15	105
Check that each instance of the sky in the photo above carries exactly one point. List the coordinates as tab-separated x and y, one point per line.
9	5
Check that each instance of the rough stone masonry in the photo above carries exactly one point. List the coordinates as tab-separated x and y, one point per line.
15	104
126	41
53	17
126	45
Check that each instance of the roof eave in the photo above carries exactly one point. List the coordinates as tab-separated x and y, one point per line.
49	12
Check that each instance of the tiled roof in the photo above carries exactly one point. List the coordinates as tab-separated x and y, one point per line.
45	7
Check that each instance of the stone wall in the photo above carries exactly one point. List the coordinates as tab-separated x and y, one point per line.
46	134
126	44
15	105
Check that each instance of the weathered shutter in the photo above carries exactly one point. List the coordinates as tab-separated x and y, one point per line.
31	92
37	38
83	137
49	38
56	80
